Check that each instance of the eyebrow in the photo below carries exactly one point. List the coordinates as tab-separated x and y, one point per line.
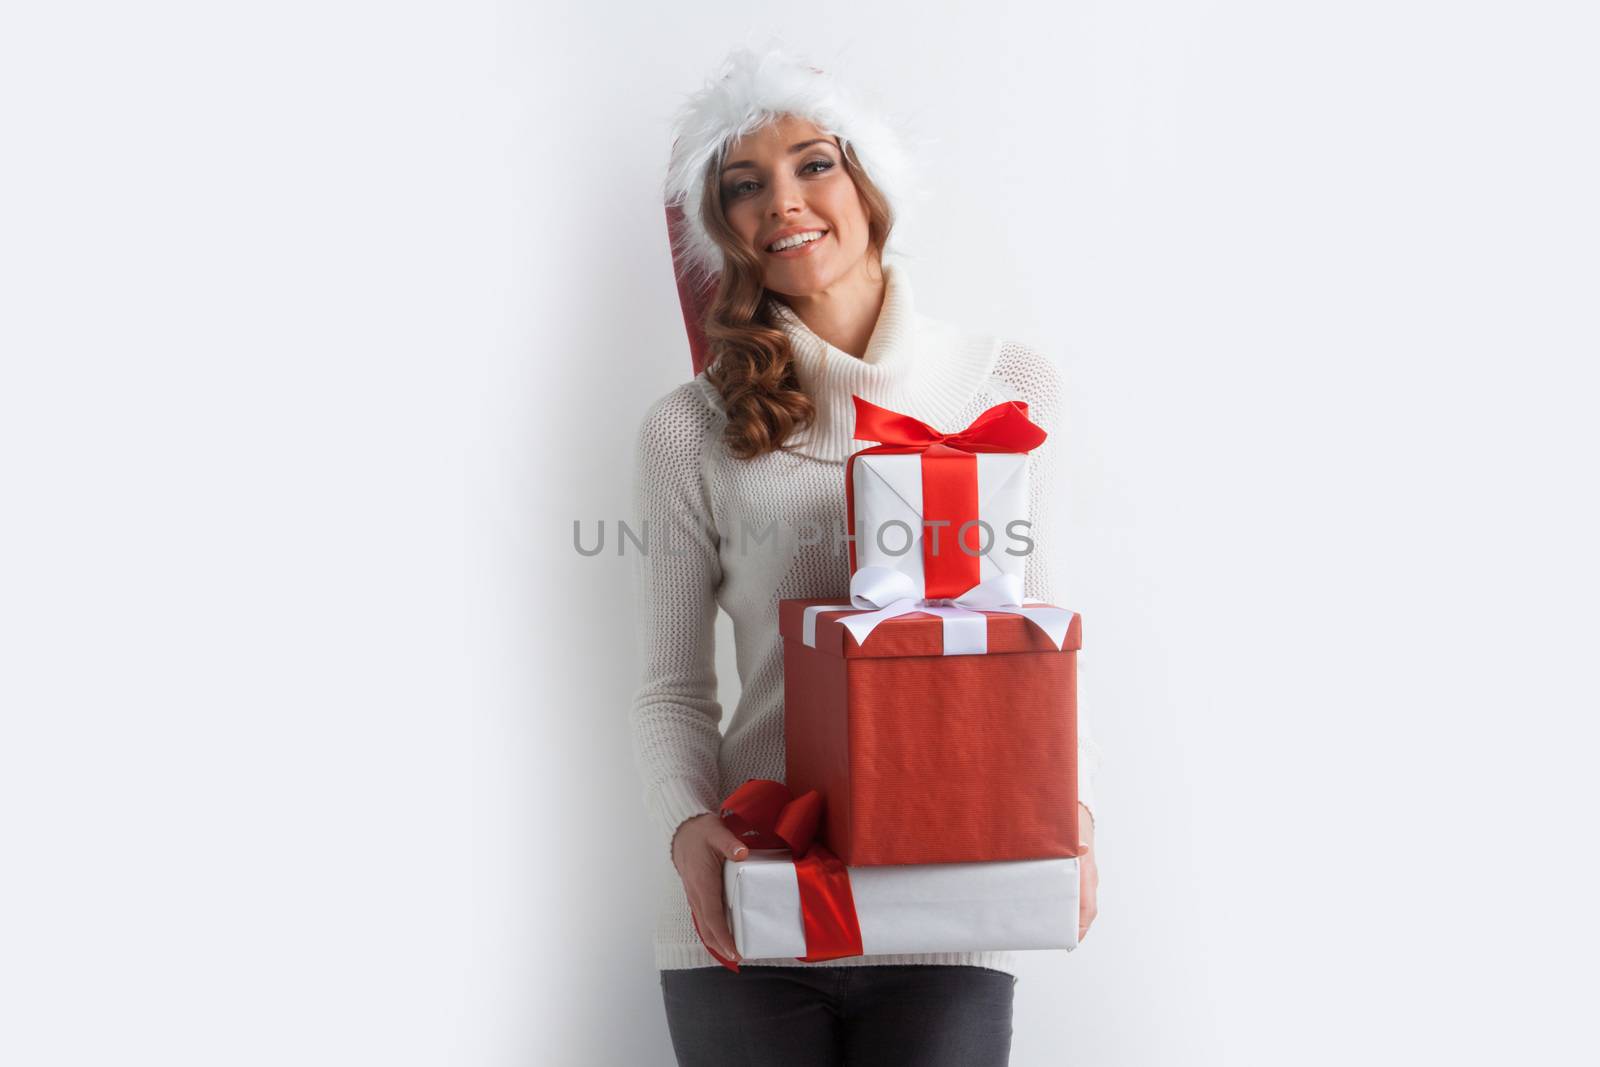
792	150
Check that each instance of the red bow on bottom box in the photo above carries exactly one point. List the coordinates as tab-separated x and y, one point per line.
764	814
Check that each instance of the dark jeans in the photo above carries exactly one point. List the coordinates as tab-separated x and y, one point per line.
912	1015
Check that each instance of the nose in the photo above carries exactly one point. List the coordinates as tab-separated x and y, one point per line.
787	198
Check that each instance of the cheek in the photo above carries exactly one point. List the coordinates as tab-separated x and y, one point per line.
742	221
845	207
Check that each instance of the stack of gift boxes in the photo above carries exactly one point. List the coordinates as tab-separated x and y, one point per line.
930	721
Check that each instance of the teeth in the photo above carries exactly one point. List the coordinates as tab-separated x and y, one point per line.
796	240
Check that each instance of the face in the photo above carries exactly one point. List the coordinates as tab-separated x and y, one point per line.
786	178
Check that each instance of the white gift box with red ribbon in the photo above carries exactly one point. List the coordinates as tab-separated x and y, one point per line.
919	908
891	534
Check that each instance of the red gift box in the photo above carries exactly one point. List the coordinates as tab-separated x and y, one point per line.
923	757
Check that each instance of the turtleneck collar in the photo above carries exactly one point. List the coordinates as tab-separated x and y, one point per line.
913	364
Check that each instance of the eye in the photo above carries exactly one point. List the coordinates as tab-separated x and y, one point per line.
733	190
825	164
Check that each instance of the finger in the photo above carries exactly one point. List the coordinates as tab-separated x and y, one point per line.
707	902
728	845
714	923
712	945
723	936
713	927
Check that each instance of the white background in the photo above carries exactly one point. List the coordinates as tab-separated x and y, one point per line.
322	322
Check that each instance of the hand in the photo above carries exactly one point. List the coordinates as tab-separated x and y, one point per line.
698	850
1088	873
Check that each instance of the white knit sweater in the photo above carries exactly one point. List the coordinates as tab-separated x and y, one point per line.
694	495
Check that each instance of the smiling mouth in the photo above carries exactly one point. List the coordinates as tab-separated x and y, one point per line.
820	234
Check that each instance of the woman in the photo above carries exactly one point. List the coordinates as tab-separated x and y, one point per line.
789	193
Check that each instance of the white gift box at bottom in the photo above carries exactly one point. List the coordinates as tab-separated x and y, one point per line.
936	907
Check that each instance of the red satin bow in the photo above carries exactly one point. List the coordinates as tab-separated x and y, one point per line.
949	482
764	814
1003	428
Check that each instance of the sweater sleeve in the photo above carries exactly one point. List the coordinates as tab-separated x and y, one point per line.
1037	382
676	716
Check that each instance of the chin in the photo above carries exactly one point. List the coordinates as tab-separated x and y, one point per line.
801	278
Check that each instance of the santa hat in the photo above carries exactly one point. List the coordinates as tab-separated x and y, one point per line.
750	89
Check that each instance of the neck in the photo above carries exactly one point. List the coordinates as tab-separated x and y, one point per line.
845	313
908	363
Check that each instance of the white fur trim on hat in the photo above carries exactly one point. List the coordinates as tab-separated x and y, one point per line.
751	89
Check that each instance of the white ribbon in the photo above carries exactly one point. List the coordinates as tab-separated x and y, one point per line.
808	621
881	593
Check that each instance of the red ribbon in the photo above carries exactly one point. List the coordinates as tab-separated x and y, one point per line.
949	482
764	814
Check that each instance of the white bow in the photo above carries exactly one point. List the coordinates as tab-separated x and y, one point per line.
881	593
